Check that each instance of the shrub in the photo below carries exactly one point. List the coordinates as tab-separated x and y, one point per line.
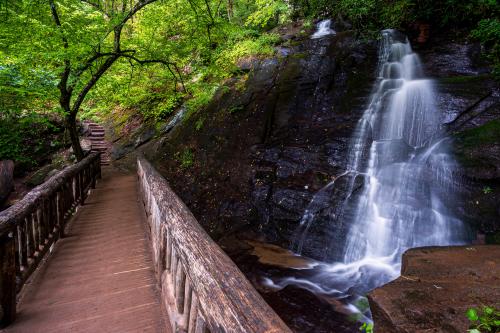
488	33
485	320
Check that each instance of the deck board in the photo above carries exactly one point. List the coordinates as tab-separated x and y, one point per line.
100	277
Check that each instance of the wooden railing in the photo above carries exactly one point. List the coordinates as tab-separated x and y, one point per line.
202	289
29	228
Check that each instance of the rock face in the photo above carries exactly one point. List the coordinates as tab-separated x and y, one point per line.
470	100
265	147
436	287
6	179
250	163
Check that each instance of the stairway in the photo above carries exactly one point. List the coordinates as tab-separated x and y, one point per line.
96	135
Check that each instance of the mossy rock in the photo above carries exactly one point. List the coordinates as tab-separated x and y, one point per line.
477	150
39	176
489	133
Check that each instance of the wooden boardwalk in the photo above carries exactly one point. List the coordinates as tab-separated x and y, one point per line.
100	277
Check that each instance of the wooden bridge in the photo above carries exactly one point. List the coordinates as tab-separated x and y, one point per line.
129	257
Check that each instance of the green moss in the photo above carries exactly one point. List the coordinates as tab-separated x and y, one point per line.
186	158
489	133
300	55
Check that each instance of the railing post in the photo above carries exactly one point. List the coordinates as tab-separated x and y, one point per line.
93	175
7	279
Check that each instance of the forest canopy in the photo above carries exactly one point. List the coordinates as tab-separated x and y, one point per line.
77	59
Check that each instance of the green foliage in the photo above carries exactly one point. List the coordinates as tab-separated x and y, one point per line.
379	14
186	158
246	48
487	190
360	13
269	13
27	138
199	124
399	13
201	44
488	33
201	40
366	328
485	320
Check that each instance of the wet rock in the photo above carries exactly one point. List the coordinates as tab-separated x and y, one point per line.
287	139
454	59
6	179
321	316
175	120
118	151
436	287
247	64
478	152
288	204
145	135
41	175
128	144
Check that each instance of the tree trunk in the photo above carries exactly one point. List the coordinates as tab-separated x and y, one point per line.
230	10
73	134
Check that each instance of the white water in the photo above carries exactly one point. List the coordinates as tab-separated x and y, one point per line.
400	206
409	182
323	29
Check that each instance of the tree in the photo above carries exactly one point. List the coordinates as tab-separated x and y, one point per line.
98	60
83	41
85	53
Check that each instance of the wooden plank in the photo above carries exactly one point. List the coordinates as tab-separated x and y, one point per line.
228	301
27	229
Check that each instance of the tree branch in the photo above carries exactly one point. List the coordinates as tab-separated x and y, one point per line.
97	7
159	61
89	62
91	83
63	82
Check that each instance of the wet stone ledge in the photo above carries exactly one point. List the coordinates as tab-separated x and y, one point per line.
436	287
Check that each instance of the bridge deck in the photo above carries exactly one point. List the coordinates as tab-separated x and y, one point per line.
100	277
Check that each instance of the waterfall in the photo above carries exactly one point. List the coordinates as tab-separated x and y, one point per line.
409	180
323	29
401	204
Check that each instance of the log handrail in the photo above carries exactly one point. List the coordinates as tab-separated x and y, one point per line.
29	228
202	288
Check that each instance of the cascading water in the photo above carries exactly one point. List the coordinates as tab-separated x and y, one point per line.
400	206
323	29
408	182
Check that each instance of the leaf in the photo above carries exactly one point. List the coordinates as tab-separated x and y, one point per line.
474	330
487	310
472	314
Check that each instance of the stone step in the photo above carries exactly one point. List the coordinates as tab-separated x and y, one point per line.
98	142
